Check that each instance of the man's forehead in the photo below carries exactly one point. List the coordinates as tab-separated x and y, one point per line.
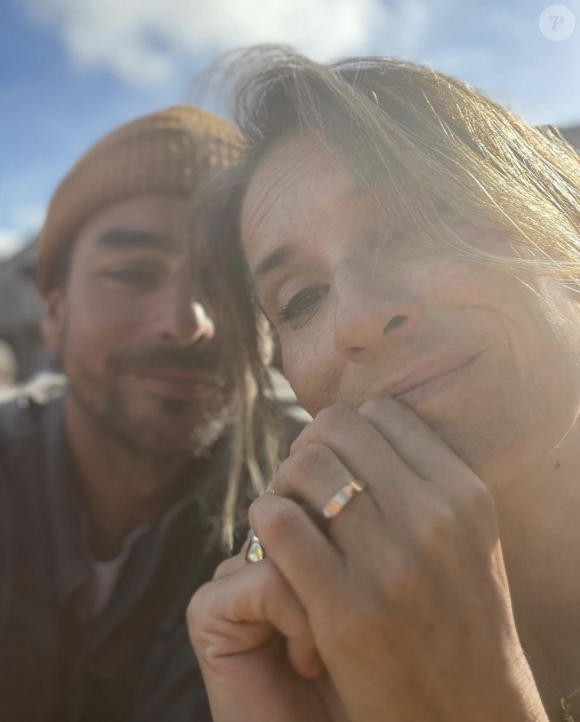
126	239
154	222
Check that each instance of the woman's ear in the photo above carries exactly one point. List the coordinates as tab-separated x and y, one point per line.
53	320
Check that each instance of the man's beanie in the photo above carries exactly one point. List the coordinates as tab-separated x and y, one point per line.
166	152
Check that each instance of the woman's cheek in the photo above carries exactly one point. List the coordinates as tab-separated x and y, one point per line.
312	369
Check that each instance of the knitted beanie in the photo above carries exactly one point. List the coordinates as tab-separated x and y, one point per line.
166	152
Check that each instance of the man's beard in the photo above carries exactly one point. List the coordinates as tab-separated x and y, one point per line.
139	435
103	399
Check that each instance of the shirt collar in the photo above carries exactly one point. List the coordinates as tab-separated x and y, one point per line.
196	498
64	506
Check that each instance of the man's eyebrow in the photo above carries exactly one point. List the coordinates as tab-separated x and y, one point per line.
122	238
277	258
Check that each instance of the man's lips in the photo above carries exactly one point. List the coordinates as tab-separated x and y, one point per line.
181	384
420	381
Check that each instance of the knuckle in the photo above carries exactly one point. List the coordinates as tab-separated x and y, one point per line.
437	534
275	525
308	459
332	416
474	500
481	500
479	511
306	464
373	407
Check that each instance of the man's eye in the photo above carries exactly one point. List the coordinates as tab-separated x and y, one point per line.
138	277
301	302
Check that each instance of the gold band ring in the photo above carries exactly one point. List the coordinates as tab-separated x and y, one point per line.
342	497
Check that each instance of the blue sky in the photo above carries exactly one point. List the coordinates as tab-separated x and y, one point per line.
71	70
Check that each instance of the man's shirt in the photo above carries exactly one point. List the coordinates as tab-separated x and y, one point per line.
62	657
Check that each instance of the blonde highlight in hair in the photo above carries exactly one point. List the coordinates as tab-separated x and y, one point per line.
433	152
425	144
256	430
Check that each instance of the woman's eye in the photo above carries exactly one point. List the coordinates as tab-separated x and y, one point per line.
300	303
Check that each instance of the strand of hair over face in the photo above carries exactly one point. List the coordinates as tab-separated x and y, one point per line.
423	143
434	153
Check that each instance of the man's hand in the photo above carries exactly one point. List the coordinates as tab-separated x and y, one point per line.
405	591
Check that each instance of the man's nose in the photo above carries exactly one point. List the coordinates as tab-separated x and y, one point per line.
181	318
367	321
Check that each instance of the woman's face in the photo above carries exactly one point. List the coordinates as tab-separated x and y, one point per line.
492	364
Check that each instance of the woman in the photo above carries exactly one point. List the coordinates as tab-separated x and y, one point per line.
415	247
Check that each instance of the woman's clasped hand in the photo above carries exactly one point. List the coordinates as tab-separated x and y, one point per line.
396	609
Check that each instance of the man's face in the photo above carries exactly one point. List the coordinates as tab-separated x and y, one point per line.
135	337
492	364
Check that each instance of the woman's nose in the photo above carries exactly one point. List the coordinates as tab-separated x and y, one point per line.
366	322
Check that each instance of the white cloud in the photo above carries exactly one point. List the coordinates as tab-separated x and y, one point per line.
23	222
10	241
28	218
146	41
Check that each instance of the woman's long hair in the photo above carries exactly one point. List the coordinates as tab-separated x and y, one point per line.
431	151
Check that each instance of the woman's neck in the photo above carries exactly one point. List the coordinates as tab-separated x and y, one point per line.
539	520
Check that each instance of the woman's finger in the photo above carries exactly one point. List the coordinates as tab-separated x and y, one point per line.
310	563
314	475
231	565
241	611
419	447
368	456
353	439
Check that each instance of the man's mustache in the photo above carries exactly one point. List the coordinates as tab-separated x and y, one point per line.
150	357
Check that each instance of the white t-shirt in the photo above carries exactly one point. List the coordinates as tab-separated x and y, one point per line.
97	592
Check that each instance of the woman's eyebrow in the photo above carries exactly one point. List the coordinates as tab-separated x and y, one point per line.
275	259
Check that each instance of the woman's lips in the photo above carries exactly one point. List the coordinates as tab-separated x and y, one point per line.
421	381
422	392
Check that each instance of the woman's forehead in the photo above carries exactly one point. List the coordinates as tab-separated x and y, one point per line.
298	180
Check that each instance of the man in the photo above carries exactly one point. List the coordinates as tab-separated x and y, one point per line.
110	491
